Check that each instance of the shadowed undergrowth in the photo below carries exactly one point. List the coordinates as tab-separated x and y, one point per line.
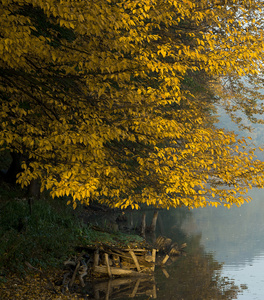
46	237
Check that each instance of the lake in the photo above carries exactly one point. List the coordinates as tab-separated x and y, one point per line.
224	257
232	240
236	238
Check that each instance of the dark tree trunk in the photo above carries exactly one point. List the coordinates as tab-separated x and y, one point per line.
10	176
154	222
33	192
34	189
143	225
15	167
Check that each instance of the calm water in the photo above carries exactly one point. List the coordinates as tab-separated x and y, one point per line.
236	238
232	241
224	257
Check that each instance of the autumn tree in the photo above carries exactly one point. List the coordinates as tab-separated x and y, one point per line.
94	95
242	96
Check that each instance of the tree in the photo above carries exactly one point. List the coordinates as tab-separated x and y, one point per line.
94	95
242	98
242	95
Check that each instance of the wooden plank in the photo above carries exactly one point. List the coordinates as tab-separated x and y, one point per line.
134	292
136	250
119	253
154	251
165	259
153	259
135	260
165	273
107	265
118	271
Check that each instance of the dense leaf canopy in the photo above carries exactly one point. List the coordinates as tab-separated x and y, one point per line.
97	97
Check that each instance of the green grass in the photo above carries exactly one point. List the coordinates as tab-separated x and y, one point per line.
93	237
48	236
43	238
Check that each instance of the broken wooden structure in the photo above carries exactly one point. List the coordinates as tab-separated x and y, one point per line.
168	250
113	261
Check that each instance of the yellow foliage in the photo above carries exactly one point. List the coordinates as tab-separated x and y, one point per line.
93	93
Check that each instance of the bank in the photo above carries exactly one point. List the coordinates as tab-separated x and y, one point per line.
35	245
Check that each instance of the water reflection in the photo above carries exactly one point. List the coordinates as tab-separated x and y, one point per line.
124	288
193	277
198	275
236	237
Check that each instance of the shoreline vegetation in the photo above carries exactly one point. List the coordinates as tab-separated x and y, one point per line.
36	248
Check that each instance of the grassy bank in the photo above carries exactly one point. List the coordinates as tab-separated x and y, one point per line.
46	237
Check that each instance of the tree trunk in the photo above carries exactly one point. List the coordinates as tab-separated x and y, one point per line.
143	225
34	189
154	222
33	192
15	167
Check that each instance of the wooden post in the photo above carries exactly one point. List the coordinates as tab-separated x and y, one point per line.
96	259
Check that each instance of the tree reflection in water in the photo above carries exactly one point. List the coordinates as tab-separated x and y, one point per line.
195	276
